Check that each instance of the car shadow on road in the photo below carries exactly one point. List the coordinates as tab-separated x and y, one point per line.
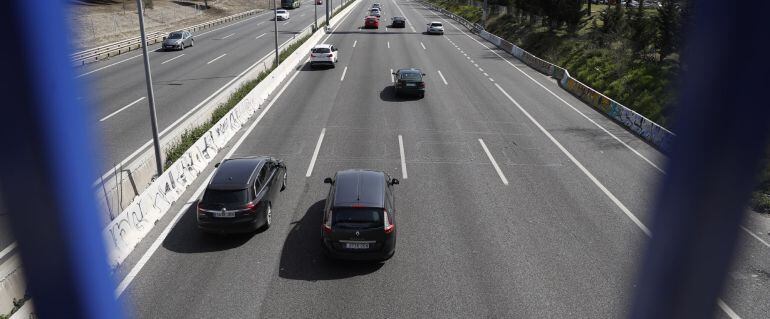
186	238
388	94
307	67
302	257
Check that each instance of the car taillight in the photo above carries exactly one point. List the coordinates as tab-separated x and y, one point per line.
252	207
389	228
327	225
312	55
421	85
200	211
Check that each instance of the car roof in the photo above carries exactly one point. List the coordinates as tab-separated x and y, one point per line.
237	173
410	70
399	18
358	187
322	45
432	22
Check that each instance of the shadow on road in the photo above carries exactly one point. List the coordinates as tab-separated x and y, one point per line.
186	238
388	94
302	257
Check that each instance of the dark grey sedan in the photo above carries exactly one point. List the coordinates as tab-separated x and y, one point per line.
178	40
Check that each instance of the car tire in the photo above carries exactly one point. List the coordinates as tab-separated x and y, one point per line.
181	47
422	95
192	43
268	216
283	184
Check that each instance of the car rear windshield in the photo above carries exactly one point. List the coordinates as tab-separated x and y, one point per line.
215	196
411	76
435	24
357	217
175	36
321	50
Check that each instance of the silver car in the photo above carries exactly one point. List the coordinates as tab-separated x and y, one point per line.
435	28
178	40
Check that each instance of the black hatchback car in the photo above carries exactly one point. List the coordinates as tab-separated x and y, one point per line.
240	196
398	22
359	221
409	81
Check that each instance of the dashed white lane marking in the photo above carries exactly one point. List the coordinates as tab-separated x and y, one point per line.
121	109
315	153
485	74
403	157
494	163
217	58
491	80
227	36
259	36
162	237
756	237
442	78
343	74
391	75
354	43
172	59
423	46
107	66
388	44
11	247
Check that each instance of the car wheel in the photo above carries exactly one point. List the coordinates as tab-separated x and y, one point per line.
422	95
181	47
192	43
283	185
268	216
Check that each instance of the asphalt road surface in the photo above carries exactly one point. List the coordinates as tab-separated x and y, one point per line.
516	200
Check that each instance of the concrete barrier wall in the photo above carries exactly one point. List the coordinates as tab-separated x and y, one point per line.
650	131
12	284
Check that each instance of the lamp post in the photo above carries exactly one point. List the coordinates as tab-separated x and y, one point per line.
150	91
275	23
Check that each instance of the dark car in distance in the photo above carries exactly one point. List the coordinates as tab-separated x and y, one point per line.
409	81
398	22
240	196
359	221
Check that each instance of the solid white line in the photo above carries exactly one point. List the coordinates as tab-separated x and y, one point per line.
388	44
172	59
756	237
259	36
315	153
260	23
354	43
391	76
423	46
156	244
578	164
107	66
227	36
442	78
403	157
7	250
568	104
121	109
343	74
217	58
494	163
729	311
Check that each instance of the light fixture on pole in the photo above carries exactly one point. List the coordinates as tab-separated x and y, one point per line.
150	93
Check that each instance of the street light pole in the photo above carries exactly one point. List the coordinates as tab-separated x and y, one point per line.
150	93
275	20
327	14
315	14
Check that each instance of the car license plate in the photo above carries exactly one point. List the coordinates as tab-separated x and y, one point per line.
357	245
410	84
224	214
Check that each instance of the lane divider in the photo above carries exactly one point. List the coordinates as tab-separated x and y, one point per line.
121	109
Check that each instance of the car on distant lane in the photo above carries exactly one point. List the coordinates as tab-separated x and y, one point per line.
409	81
323	54
371	22
375	12
376	5
178	40
398	22
359	220
240	196
435	27
282	14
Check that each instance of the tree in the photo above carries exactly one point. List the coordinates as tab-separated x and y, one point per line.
669	28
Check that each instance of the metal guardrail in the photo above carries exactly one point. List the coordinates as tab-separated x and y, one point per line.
123	46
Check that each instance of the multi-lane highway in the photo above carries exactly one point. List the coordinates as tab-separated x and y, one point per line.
182	79
516	200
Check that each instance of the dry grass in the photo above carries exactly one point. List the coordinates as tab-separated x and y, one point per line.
98	22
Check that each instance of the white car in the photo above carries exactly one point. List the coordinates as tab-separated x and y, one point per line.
323	54
282	14
375	12
435	27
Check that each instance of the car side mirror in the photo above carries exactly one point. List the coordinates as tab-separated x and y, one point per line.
328	180
394	181
394	73
217	164
424	74
335	50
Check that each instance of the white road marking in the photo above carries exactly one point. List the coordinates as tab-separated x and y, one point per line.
729	311
476	65
756	237
286	23
481	70
172	59
260	23
227	36
494	163
391	76
121	109
403	157
107	66
217	58
485	74
259	36
10	247
343	74
158	241
354	43
473	61
491	79
315	153
442	78
388	44
423	46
